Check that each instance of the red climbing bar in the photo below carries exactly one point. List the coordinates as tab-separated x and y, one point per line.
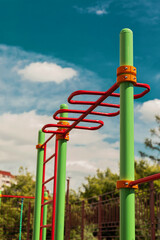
46	203
14	196
48	180
52	156
145	179
45	226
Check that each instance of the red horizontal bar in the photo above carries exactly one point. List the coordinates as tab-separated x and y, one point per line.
101	123
50	179
45	226
142	85
53	155
82	92
14	196
145	179
48	202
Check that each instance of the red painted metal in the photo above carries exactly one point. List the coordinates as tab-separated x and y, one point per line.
43	186
54	189
145	179
48	180
14	196
47	160
47	225
48	202
93	104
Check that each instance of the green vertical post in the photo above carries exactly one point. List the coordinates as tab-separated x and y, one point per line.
21	216
44	232
38	192
61	180
127	196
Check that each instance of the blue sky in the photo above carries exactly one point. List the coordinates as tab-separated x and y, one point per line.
48	49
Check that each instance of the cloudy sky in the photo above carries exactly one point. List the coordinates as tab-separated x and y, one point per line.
48	49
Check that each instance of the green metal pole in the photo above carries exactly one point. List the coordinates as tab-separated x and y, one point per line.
44	232
61	180
38	192
21	215
127	196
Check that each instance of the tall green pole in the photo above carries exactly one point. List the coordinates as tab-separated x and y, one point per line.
61	180
38	192
127	196
21	215
44	232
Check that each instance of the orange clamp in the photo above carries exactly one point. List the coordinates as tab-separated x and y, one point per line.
62	136
125	184
126	73
45	198
39	146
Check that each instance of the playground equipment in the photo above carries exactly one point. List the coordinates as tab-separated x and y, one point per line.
7	197
126	81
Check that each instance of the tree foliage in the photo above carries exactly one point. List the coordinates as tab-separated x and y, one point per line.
11	207
153	143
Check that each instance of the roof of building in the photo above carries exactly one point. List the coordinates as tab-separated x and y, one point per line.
7	174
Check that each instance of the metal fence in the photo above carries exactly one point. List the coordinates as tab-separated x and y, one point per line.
98	217
95	218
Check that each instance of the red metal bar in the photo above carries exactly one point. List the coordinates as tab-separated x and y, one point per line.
145	179
48	202
52	156
48	140
42	201
45	226
54	189
142	85
48	180
14	196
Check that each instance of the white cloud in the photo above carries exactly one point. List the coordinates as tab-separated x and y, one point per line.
148	110
46	72
97	10
157	77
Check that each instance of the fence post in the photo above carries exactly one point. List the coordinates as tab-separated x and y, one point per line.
127	195
69	222
38	192
28	220
82	222
99	218
152	214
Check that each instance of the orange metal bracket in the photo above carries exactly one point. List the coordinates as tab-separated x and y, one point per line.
62	136
126	73
125	184
39	146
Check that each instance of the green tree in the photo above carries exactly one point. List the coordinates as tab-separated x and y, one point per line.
11	207
99	184
153	143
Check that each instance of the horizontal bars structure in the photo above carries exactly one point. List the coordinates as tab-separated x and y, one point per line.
67	128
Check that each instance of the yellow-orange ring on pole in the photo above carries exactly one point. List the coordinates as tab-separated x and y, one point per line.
126	69
45	198
0	195
126	78
62	136
38	146
125	184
